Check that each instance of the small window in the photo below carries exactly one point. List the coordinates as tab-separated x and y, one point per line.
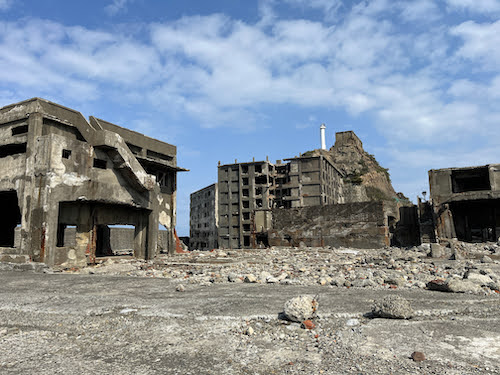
99	163
23	129
66	154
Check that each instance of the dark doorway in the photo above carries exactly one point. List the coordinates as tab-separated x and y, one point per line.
476	221
10	218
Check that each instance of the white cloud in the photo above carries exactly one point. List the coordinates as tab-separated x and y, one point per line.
222	71
481	43
419	10
475	6
116	6
6	4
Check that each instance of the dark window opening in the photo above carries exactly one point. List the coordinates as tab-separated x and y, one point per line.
23	129
12	149
157	155
246	241
245	180
244	169
99	163
245	192
246	227
246	204
470	180
259	203
258	168
10	218
136	150
258	191
261	180
66	154
246	215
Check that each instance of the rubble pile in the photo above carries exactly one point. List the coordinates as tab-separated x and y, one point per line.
450	267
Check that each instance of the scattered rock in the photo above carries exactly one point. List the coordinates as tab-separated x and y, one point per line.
308	324
249	331
180	288
250	278
392	307
437	251
418	356
301	308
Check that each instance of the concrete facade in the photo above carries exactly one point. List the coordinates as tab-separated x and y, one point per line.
204	219
243	189
59	170
466	202
358	225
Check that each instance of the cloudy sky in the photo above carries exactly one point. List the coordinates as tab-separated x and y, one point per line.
417	80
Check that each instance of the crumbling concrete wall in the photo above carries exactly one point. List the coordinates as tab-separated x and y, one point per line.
57	170
358	225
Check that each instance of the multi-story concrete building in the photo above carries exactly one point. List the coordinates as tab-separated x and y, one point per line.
243	189
247	191
312	180
203	219
62	176
466	202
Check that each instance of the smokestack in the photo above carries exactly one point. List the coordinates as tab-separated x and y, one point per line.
322	136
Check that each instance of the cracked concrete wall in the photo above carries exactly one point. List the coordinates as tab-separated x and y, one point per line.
50	155
357	225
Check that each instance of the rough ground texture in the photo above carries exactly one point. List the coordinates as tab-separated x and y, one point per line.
126	317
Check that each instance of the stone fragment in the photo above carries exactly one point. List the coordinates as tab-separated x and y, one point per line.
180	288
308	324
438	284
479	279
462	286
486	259
301	308
418	356
249	331
392	307
250	278
437	250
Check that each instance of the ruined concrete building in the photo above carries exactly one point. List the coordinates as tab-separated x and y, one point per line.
64	176
203	219
466	202
261	203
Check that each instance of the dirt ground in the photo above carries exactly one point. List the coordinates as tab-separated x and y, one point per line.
60	323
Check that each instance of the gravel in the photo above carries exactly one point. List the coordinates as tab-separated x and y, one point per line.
125	316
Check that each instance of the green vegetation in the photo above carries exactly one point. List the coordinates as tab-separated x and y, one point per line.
375	194
379	168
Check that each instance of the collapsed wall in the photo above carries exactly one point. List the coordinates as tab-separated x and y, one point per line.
359	225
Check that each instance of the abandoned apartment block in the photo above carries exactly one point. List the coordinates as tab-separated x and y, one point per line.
203	219
283	204
66	182
466	202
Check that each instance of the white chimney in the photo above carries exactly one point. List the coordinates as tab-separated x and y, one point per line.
322	136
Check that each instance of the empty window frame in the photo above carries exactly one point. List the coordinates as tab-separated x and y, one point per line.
66	154
470	180
23	129
12	149
100	163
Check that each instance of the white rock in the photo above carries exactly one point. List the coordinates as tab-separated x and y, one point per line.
301	308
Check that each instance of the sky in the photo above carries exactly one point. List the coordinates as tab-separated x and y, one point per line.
417	80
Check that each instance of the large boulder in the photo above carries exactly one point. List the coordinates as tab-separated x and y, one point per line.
392	307
301	308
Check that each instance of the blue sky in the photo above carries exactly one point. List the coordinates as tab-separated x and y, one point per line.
417	80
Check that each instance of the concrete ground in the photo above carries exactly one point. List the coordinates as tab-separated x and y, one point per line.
102	324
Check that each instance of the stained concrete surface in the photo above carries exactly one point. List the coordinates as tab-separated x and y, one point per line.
57	323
